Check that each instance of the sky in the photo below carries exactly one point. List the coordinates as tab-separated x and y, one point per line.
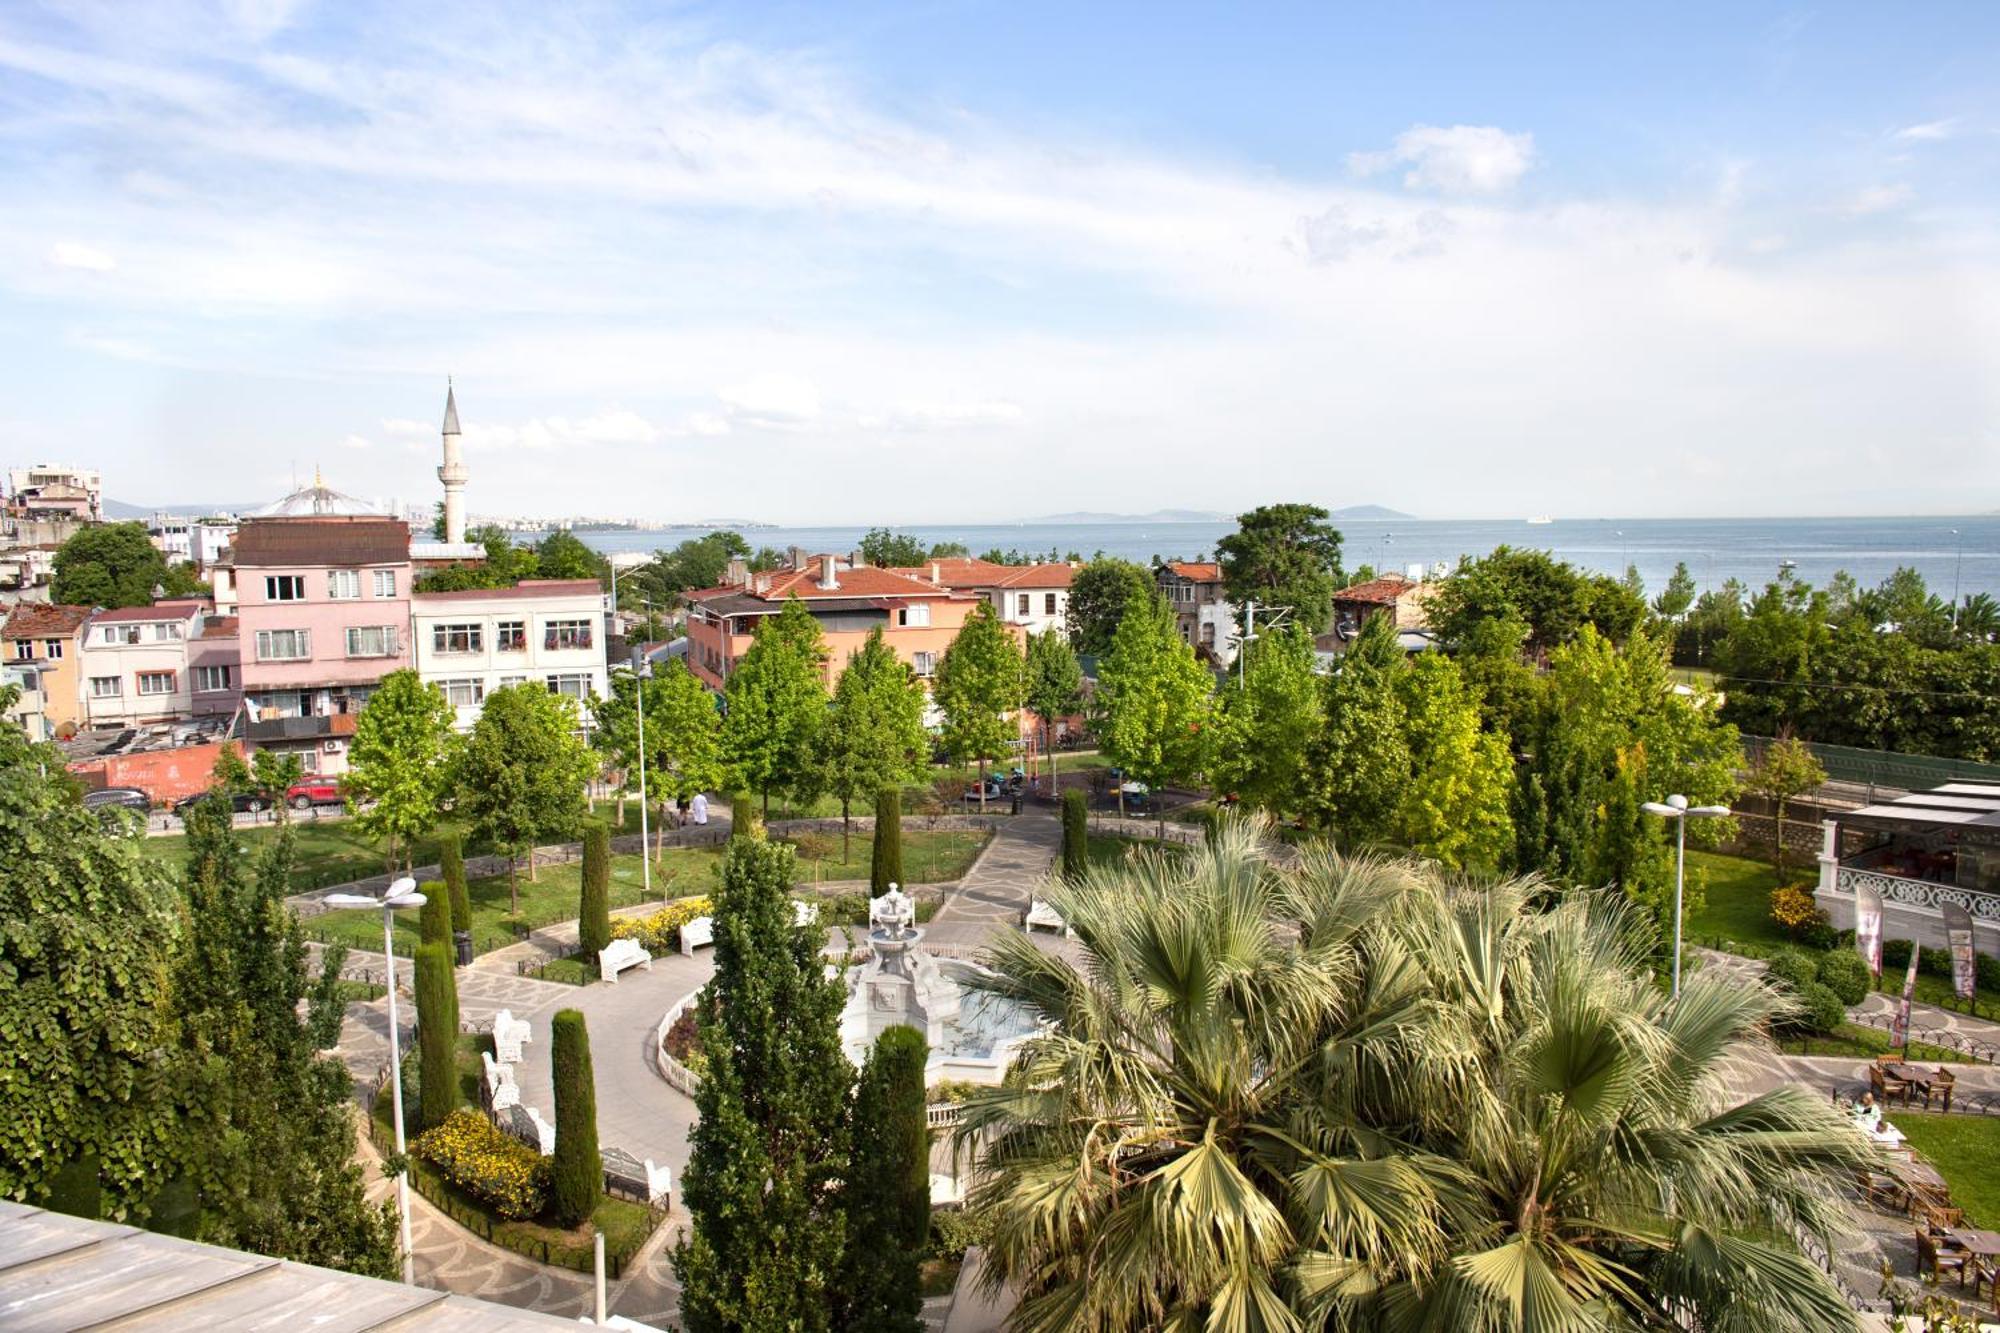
964	262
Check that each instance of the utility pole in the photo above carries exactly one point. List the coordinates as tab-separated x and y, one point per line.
1243	646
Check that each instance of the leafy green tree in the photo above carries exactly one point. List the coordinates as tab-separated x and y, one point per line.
1283	555
1552	597
231	776
1677	597
265	1134
978	687
698	562
874	734
879	546
401	760
88	931
1785	771
277	772
563	555
769	1150
451	867
1267	721
1768	660
1055	685
577	1174
1454	808
777	704
437	1032
1359	763
683	735
521	774
593	919
110	565
506	564
1152	706
1075	834
885	864
1098	598
888	1190
1630	850
1215	1130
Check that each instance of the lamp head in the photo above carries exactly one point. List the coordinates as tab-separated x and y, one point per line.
1663	811
1710	811
1678	802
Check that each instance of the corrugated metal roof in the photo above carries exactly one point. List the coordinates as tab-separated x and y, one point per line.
60	1273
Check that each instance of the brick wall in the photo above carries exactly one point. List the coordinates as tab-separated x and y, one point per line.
164	775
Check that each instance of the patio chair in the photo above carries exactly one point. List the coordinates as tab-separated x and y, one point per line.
1884	1087
1936	1260
1940	1216
1943	1083
1882	1190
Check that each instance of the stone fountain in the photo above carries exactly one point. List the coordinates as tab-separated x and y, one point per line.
899	984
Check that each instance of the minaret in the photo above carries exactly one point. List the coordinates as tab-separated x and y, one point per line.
452	474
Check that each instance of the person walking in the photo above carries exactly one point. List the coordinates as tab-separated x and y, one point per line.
700	808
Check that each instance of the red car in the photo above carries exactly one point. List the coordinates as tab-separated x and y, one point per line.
313	791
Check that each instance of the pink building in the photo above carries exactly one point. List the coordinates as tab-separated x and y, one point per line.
324	613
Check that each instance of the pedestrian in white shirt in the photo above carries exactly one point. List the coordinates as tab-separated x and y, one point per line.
700	808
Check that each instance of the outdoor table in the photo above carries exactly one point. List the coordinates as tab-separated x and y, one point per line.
1912	1078
1984	1244
1922	1181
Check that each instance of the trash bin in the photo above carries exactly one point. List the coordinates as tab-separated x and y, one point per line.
1016	804
462	939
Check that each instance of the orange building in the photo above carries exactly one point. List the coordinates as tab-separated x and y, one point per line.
918	618
48	640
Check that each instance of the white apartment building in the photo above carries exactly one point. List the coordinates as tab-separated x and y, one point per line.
550	631
1035	597
135	664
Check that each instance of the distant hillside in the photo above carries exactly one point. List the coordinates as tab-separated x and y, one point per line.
1372	511
118	510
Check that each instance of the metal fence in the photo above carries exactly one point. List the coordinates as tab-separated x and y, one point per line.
1885	768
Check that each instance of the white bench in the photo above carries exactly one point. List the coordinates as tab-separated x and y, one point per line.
502	1091
618	955
804	914
509	1035
696	934
1045	916
543	1131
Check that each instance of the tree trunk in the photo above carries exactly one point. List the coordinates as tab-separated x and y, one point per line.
1049	753
531	861
513	889
846	831
766	793
982	784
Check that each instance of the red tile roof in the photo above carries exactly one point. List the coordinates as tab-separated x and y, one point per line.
41	620
321	540
525	588
956	571
1055	575
173	610
1196	572
1378	592
220	627
868	581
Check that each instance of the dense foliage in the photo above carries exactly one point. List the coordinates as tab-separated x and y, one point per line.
400	760
112	565
577	1172
776	706
979	685
885	864
1283	555
887	1193
874	733
593	920
522	771
437	1033
1099	595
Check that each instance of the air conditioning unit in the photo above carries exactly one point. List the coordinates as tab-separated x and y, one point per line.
330	747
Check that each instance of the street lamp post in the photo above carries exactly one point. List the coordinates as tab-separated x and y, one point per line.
1677	809
1957	561
643	673
403	893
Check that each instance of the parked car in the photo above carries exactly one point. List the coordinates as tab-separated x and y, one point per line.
117	798
313	791
252	802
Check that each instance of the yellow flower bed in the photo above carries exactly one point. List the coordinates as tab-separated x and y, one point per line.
501	1171
660	931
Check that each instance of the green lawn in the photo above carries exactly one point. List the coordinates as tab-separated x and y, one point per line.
552	896
1738	909
1864	1043
1966	1151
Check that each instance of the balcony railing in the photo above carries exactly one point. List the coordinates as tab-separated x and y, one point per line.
1919	892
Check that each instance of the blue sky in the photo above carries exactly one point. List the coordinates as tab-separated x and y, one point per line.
963	261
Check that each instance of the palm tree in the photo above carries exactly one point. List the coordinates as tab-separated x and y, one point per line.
1357	1094
1979	617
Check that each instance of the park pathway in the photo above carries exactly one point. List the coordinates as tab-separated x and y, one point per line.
995	891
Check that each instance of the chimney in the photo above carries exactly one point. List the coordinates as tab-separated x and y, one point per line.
937	574
798	557
763	584
828	578
856	560
738	573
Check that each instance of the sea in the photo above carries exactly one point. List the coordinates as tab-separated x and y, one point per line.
1956	556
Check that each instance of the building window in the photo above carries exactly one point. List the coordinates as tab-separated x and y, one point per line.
343	584
122	634
156	682
566	634
211	679
573	685
511	636
52	649
926	664
167	632
509	682
385	583
1021	605
285	588
918	616
283	645
1048	603
457	638
465	693
105	687
371	641
24	649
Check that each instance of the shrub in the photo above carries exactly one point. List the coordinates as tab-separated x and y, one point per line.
951	1090
660	931
1791	969
501	1172
955	1230
1895	954
1987	969
1819	935
1820	1010
1842	972
434	917
1793	909
593	917
437	1031
812	846
451	865
886	865
1075	834
577	1172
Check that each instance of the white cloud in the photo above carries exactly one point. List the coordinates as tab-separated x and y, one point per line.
1460	159
917	417
1877	199
75	254
357	442
772	400
1930	131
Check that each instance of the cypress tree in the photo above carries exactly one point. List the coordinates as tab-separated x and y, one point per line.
437	1033
593	923
434	917
886	866
1075	834
888	1189
451	864
578	1169
769	1149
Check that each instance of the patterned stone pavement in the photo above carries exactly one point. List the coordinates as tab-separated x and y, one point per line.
994	893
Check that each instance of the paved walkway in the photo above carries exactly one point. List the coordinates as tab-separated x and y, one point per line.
995	891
